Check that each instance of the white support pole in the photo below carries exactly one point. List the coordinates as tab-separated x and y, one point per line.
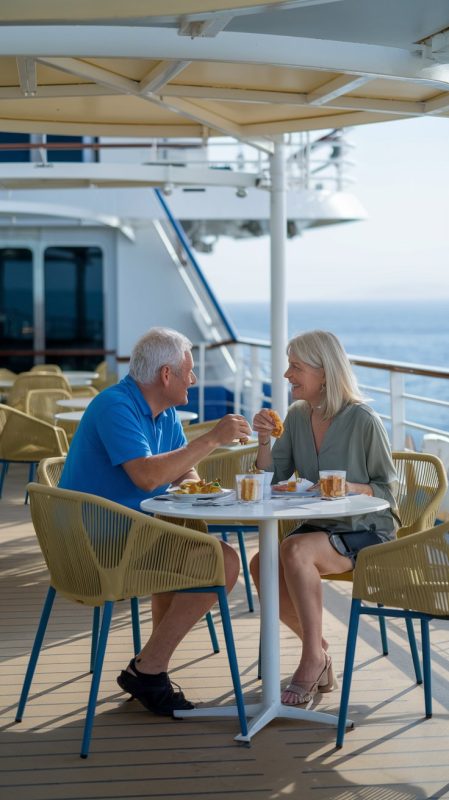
278	230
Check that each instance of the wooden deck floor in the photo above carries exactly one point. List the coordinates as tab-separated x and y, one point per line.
393	753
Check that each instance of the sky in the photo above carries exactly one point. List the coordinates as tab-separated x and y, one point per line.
401	251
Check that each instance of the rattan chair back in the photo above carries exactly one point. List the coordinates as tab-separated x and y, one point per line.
195	429
411	573
26	439
46	368
49	470
27	381
226	464
84	391
422	485
42	403
97	550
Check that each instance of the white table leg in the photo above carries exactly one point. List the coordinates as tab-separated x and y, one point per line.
271	706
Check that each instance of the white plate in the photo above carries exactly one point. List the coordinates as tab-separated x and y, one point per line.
301	489
192	498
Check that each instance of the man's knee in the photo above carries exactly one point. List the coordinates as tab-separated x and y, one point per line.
231	561
254	566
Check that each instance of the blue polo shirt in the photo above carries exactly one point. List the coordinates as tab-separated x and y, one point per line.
118	426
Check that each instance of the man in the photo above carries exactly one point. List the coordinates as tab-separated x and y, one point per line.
130	444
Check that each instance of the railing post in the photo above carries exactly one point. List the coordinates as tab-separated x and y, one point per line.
201	379
397	410
238	381
256	384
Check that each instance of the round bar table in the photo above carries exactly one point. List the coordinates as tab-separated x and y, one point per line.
74	402
267	515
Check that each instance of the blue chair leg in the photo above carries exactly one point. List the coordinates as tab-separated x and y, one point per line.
230	647
347	674
94	638
383	632
40	633
212	633
224	536
95	685
249	594
31	474
426	667
136	625
413	649
5	466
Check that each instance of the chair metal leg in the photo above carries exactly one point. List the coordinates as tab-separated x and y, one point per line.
230	647
95	685
224	536
413	649
212	632
246	578
31	474
40	633
383	632
426	667
94	637
136	625
5	465
347	674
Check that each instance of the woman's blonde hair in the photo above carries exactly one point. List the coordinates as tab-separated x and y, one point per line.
323	350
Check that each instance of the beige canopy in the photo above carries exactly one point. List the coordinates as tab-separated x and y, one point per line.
211	67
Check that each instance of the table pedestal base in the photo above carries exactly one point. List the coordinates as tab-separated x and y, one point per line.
261	716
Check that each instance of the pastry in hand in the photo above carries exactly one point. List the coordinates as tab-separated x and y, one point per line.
278	429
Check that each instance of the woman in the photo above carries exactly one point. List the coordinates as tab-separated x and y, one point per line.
328	426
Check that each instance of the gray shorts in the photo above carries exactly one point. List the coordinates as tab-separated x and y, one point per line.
348	543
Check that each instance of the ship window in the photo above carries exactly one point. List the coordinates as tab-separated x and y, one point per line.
70	154
74	302
14	155
16	306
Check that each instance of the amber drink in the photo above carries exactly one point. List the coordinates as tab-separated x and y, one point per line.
332	483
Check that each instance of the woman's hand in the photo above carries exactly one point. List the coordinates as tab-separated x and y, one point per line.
359	488
263	424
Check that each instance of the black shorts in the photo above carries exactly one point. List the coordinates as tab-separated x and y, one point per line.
348	543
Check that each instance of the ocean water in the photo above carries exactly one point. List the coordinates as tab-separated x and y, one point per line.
413	332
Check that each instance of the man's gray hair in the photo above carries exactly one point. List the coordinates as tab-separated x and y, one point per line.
157	348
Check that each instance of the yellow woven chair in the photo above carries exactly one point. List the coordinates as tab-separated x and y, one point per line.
46	368
408	579
105	377
26	440
49	473
98	552
42	403
225	465
27	381
422	484
7	374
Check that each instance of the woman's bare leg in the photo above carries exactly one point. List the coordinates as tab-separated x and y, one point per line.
287	612
305	558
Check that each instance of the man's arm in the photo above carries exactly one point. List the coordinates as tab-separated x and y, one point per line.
152	471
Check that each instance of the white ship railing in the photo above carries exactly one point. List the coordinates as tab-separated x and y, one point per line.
412	399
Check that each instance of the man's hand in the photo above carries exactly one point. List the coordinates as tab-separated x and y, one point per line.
231	427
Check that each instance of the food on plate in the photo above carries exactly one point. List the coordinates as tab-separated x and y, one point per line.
199	487
278	429
291	486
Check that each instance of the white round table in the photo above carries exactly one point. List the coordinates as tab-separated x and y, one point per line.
186	416
80	377
74	402
266	515
69	416
6	383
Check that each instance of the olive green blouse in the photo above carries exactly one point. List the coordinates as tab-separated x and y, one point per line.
356	441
